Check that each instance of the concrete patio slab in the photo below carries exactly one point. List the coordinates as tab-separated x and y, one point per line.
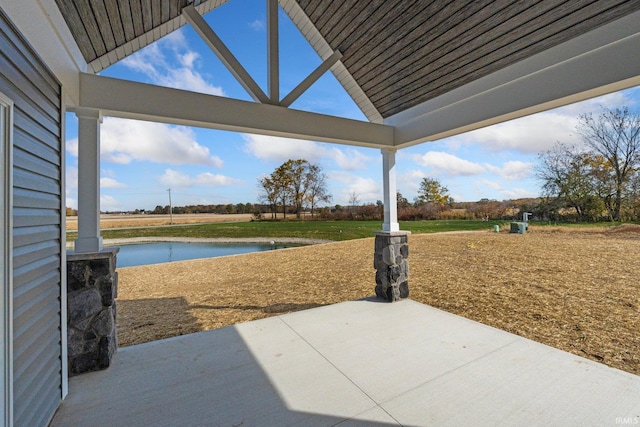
351	364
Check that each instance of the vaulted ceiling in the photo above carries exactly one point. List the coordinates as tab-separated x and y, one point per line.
396	54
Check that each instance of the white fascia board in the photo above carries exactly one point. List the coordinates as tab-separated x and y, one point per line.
322	48
42	24
602	61
131	100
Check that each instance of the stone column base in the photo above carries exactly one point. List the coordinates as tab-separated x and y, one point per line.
92	286
392	265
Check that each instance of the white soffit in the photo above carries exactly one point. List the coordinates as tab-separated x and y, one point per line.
149	37
602	61
324	51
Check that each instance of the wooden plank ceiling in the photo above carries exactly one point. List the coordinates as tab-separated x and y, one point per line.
400	52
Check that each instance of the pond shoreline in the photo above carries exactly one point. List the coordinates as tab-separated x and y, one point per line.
137	240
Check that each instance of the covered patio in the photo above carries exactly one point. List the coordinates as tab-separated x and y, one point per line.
356	363
419	71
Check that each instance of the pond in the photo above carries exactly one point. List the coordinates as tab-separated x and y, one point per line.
159	252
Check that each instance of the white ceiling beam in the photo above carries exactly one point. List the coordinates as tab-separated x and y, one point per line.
132	100
273	53
311	79
599	62
223	53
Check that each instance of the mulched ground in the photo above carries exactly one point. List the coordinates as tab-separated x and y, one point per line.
577	291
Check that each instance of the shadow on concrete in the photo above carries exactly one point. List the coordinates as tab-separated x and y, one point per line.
255	374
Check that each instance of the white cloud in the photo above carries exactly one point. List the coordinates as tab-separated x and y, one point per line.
111	183
278	149
492	184
123	141
71	187
109	203
349	159
367	189
72	146
539	132
532	134
448	164
206	179
179	71
410	181
512	170
257	25
519	193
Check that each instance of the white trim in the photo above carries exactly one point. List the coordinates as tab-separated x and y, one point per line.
140	101
6	261
63	256
599	62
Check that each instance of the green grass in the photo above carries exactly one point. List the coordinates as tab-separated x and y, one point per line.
326	230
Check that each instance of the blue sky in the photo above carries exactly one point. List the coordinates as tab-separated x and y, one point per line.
141	160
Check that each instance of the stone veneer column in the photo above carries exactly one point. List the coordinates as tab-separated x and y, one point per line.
92	286
392	265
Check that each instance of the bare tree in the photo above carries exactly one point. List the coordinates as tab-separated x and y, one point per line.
269	194
570	176
317	188
615	136
354	200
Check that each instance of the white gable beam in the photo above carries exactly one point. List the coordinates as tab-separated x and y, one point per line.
131	100
224	54
322	48
273	53
599	62
311	79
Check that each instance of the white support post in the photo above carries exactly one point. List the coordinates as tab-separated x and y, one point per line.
89	239
273	54
390	189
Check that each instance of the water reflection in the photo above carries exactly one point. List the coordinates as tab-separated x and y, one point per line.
155	253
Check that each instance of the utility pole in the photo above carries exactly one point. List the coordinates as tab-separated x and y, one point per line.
170	208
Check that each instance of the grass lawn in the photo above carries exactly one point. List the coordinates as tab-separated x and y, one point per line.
325	230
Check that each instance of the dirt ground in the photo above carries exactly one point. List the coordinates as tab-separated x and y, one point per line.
121	221
576	291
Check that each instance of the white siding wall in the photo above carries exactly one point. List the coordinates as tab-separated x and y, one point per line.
37	214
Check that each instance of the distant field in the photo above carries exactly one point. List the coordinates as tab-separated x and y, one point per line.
118	221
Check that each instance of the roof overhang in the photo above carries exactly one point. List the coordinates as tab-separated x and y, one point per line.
602	61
